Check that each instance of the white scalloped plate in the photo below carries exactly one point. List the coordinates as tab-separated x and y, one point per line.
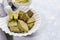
4	27
25	4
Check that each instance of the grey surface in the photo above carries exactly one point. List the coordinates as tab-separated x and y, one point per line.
9	37
2	35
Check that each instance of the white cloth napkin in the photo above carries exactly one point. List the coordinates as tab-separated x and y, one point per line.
1	1
7	7
2	13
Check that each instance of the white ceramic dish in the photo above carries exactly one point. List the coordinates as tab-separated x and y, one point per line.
23	5
4	27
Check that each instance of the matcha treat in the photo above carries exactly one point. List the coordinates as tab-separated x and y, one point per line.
31	20
30	25
21	1
12	23
24	16
30	13
21	13
11	15
23	25
14	29
16	15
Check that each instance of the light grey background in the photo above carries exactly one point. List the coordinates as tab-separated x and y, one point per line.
50	14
